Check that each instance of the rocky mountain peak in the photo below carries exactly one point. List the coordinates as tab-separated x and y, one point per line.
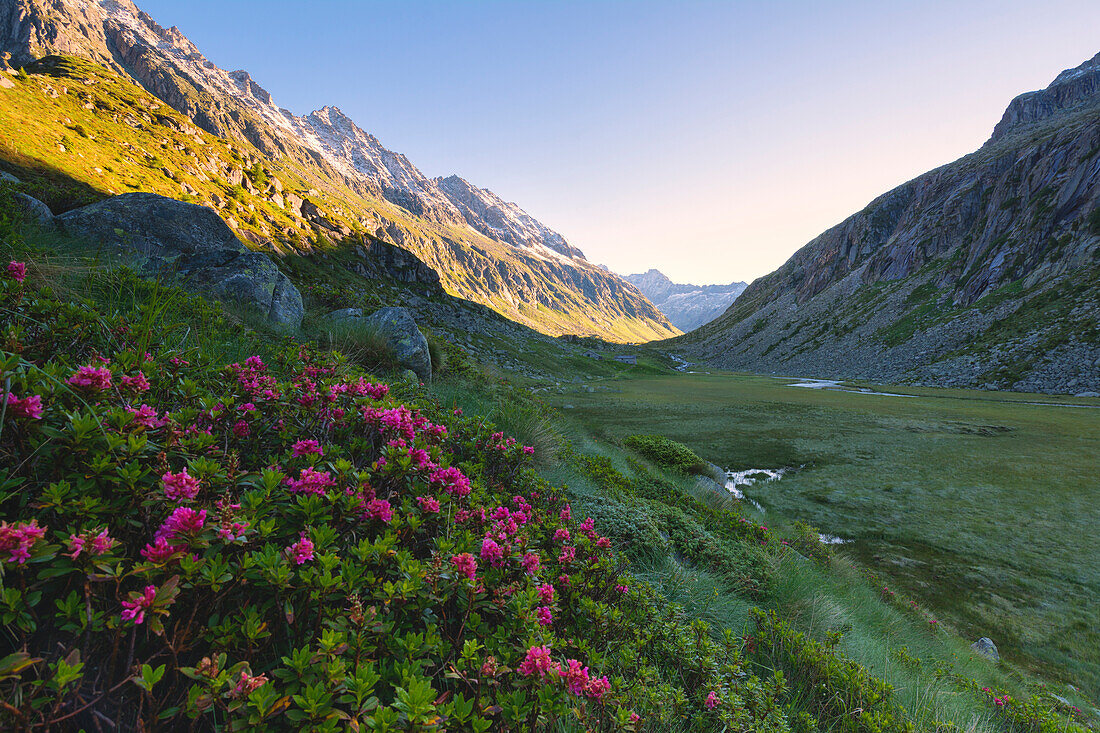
687	306
1076	87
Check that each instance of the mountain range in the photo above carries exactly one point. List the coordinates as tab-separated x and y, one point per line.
686	306
340	182
981	273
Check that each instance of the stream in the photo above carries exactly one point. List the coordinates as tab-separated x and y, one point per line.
834	385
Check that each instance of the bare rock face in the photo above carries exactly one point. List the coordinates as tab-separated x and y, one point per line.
1071	88
34	210
192	242
986	648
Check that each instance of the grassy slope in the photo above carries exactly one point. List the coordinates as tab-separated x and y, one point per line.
975	503
70	155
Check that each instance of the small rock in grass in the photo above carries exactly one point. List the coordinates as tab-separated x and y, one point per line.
986	648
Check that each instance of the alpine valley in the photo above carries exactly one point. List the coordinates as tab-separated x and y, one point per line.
294	437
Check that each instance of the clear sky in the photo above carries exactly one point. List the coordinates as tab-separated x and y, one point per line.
707	139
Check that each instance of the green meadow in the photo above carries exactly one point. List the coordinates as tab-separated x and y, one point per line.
981	505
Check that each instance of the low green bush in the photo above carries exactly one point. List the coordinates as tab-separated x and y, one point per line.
842	695
667	453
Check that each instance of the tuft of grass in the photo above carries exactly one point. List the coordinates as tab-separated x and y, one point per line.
362	344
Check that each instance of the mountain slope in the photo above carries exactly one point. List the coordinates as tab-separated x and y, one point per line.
687	306
984	272
347	183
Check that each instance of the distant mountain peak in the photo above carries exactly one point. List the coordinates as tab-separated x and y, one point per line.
687	306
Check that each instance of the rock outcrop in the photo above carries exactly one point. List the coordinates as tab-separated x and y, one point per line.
984	272
169	236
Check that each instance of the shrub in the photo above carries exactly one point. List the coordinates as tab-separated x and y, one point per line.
667	453
807	541
844	696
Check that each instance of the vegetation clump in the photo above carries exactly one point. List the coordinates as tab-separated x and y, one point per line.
667	453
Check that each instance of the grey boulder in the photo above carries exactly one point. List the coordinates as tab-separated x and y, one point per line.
409	344
194	242
986	648
399	329
34	210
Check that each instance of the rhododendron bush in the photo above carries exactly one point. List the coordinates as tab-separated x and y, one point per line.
284	542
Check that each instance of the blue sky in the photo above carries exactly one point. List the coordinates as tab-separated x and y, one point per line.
707	139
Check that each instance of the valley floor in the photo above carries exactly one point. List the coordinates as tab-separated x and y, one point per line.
982	505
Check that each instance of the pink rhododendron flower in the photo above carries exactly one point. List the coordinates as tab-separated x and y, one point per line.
95	544
597	688
428	504
491	551
160	551
603	542
308	447
465	564
530	563
28	407
568	555
712	700
622	588
310	482
17	270
451	480
579	682
91	378
561	535
232	531
546	593
378	509
544	615
566	514
538	662
302	550
575	676
528	450
18	539
76	546
136	383
134	610
241	429
180	486
145	416
182	520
